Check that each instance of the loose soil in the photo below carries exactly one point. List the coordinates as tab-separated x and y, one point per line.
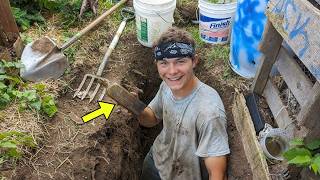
43	45
115	148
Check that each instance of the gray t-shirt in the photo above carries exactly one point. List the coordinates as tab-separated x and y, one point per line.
193	127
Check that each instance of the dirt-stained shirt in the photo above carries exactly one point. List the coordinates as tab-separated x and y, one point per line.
193	127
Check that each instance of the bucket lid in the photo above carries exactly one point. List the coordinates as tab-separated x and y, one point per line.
155	3
152	5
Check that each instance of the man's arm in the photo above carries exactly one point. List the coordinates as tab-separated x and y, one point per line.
216	167
147	118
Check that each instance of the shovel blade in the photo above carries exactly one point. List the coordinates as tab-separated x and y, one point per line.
42	60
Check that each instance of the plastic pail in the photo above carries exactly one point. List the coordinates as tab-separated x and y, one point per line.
215	21
274	142
247	32
152	19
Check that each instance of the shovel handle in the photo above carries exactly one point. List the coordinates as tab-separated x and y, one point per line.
91	25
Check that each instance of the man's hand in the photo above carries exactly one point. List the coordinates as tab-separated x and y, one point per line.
147	118
216	167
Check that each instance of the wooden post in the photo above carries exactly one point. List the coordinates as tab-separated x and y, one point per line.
9	31
269	46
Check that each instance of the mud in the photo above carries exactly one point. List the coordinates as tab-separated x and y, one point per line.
43	45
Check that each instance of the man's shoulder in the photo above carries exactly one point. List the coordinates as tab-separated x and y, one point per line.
210	91
208	94
209	101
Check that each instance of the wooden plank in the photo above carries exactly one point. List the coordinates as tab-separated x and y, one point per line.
309	115
278	109
297	81
126	99
298	23
269	46
251	146
8	28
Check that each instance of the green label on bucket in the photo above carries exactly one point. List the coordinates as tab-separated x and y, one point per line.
144	29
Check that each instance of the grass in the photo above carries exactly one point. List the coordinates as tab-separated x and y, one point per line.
194	30
218	52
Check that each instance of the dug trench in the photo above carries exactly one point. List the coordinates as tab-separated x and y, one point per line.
115	149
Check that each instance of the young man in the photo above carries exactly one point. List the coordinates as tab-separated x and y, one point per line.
193	142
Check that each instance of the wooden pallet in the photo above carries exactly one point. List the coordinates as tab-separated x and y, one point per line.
296	22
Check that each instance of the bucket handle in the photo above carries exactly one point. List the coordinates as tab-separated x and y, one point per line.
161	17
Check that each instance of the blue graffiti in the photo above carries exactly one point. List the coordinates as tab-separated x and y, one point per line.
246	34
300	30
299	27
286	22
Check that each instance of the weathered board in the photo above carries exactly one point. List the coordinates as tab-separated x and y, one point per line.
269	46
278	109
298	23
294	77
251	146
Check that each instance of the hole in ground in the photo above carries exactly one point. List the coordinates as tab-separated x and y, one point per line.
125	149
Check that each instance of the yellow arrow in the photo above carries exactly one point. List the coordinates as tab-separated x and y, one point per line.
105	108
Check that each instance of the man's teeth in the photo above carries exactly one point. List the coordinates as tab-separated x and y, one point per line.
174	79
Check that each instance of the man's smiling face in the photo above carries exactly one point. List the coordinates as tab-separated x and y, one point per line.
176	72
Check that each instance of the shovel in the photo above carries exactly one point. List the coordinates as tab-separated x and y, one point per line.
43	59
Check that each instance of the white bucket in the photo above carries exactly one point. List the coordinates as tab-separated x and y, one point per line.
152	19
215	21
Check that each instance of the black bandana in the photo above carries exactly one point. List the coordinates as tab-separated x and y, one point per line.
173	50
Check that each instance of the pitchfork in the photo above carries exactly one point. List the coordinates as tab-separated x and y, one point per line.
127	15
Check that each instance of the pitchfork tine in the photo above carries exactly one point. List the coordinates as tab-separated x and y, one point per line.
94	92
102	94
80	87
88	88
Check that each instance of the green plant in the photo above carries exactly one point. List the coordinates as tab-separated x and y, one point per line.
25	38
11	143
25	19
29	96
28	12
69	14
36	5
304	154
